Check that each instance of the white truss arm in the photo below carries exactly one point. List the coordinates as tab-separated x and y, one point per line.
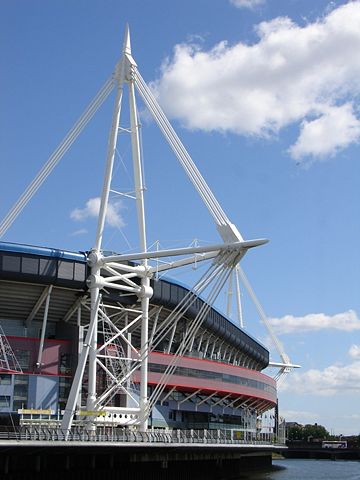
183	263
179	251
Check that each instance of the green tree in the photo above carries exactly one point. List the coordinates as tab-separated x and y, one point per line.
315	431
307	433
295	433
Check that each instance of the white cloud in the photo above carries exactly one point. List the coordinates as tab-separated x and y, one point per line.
81	231
330	381
323	137
300	416
251	4
292	74
353	416
91	209
354	352
346	321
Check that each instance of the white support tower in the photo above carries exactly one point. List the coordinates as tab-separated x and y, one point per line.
108	345
131	274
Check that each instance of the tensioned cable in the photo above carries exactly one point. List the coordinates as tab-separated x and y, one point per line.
188	301
198	321
182	154
185	304
56	156
180	151
220	282
191	297
263	316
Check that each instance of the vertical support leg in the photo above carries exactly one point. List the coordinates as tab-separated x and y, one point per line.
229	296
80	347
91	398
95	270
77	381
238	297
43	329
147	293
145	281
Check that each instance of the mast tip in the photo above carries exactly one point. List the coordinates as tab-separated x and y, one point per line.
127	44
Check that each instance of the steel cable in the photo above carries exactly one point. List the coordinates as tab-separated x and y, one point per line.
56	156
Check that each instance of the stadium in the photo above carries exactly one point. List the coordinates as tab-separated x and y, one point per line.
216	384
98	340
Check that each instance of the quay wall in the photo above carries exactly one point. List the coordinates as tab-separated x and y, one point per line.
31	460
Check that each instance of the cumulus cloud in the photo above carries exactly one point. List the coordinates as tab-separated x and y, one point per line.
91	209
251	4
330	381
323	137
346	321
354	352
306	75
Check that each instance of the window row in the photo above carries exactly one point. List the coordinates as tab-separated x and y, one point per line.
46	267
218	376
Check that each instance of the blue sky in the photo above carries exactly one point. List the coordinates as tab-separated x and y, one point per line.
265	96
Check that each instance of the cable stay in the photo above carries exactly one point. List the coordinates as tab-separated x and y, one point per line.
56	156
285	366
219	280
107	346
183	306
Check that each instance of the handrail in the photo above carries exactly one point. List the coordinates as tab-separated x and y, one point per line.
46	434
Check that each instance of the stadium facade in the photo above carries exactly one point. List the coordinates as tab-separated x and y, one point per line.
216	383
95	340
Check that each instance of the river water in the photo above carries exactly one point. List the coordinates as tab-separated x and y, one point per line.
295	469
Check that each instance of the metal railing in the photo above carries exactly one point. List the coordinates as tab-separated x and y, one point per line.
45	434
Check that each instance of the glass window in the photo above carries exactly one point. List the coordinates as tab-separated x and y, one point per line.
30	265
79	274
222	377
21	380
64	388
11	263
66	270
48	267
20	391
4	401
17	404
23	357
5	379
65	365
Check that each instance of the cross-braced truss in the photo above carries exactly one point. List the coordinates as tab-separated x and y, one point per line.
8	360
118	341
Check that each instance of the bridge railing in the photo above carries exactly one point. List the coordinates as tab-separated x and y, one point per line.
43	433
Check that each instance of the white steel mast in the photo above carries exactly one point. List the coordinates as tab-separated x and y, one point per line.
146	290
95	269
120	272
131	274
